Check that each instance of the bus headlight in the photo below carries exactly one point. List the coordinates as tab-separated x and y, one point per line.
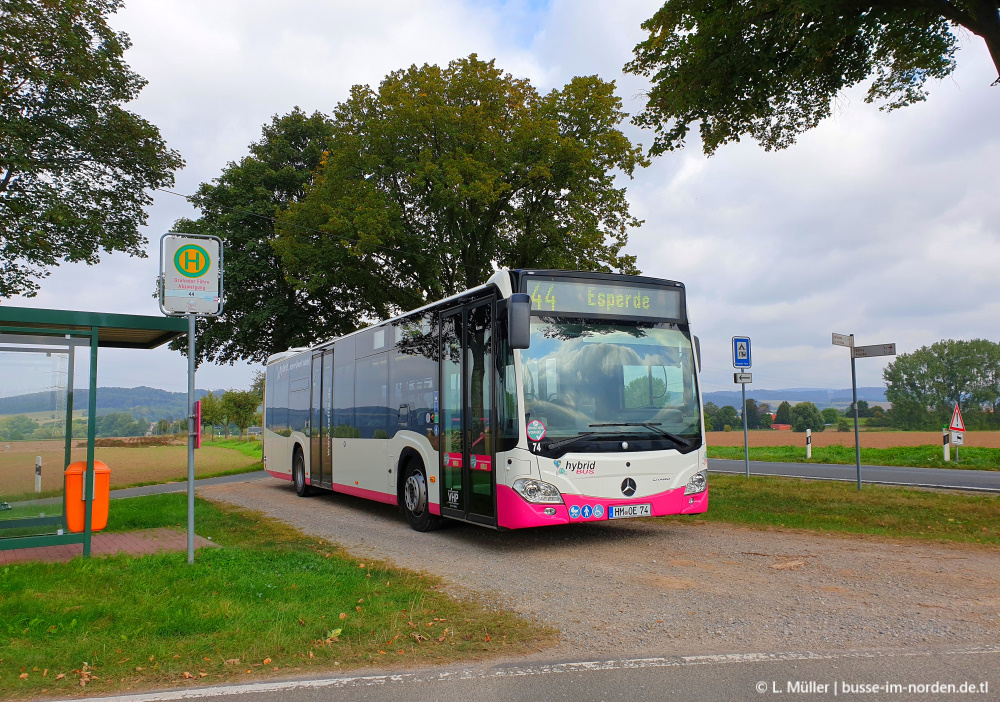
697	483
537	491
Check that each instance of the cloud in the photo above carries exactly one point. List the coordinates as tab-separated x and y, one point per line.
884	225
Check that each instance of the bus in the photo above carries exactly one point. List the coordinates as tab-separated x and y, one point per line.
542	397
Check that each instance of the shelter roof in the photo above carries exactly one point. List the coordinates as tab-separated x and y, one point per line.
123	331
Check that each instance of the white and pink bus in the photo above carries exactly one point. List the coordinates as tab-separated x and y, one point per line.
542	397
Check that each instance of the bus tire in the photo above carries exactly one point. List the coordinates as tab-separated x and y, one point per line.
416	498
299	474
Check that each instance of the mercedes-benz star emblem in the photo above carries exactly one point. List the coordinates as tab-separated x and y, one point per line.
628	487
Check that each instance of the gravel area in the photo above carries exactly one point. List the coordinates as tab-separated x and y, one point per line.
636	588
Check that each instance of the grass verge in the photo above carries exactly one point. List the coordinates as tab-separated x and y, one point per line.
254	449
840	507
928	456
269	602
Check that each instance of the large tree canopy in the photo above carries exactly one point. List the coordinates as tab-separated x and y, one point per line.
264	313
772	69
74	165
924	386
443	174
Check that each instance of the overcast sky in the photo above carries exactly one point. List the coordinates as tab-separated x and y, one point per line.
884	225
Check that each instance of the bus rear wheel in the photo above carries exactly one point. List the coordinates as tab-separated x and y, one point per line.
299	475
416	502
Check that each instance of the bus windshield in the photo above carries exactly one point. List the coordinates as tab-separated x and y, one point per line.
579	373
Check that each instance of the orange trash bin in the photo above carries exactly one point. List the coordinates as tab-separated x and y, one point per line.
75	504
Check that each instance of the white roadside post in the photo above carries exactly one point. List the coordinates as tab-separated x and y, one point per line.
191	278
809	443
742	361
944	442
860	352
38	473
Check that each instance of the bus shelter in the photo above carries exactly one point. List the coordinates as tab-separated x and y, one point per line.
43	354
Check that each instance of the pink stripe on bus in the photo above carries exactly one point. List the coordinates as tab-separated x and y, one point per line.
282	476
367	494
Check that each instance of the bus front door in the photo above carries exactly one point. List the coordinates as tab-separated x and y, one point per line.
468	485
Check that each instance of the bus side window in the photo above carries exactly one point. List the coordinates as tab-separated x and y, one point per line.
343	389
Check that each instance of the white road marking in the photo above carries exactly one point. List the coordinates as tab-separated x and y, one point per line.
519	671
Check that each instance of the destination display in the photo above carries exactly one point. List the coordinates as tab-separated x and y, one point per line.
597	297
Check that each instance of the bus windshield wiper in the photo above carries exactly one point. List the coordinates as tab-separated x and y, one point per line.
653	426
570	440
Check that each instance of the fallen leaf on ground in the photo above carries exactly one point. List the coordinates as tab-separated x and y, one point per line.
232	661
60	676
266	661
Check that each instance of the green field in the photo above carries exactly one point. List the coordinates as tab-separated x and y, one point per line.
840	507
927	456
270	602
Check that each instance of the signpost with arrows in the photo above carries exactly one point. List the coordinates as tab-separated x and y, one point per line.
741	361
860	352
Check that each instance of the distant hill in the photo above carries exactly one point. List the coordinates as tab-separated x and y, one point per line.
145	403
821	397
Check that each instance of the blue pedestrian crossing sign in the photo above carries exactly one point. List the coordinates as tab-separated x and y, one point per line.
741	352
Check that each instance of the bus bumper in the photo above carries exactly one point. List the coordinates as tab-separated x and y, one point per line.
515	513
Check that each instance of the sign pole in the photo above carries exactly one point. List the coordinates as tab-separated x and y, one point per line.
860	352
746	446
192	273
742	361
857	435
191	430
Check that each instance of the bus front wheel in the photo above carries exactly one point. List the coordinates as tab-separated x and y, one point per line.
416	503
299	475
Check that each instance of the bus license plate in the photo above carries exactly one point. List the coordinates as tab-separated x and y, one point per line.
624	511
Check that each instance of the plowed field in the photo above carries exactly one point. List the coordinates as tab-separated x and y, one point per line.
869	439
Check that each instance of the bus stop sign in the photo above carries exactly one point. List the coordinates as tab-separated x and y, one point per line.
190	275
741	352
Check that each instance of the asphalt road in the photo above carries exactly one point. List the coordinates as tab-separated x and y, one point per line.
720	678
987	480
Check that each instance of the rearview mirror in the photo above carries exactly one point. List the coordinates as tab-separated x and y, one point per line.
519	320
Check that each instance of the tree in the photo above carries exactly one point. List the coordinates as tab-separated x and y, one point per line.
74	165
772	69
805	415
756	415
783	415
257	383
444	173
211	411
830	415
726	415
710	409
924	386
264	312
240	408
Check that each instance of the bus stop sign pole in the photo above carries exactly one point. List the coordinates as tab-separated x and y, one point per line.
742	361
191	284
191	430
